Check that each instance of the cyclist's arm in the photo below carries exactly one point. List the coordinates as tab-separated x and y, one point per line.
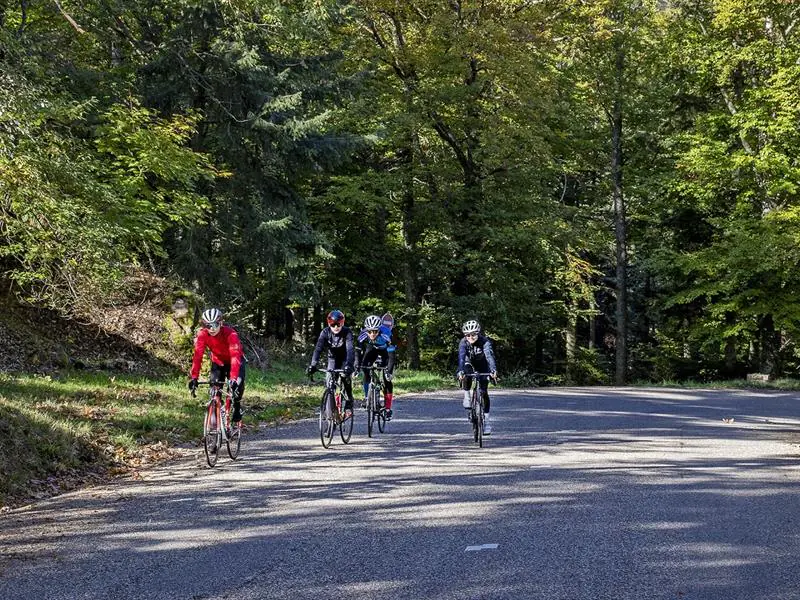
236	353
390	358
348	344
462	355
321	340
199	350
488	352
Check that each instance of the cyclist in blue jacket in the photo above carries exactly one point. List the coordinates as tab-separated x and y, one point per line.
475	355
338	340
375	341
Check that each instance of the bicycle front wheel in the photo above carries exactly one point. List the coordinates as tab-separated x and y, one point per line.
212	435
235	440
326	419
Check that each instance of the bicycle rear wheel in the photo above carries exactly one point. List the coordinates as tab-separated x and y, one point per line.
346	427
212	435
326	419
371	408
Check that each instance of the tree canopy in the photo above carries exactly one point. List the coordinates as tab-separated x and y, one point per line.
610	187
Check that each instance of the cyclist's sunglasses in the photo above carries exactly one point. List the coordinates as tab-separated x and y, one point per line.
471	335
372	332
338	324
213	326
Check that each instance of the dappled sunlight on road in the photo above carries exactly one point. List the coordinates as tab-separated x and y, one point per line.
642	484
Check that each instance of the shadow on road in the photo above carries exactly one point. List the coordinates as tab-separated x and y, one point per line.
589	493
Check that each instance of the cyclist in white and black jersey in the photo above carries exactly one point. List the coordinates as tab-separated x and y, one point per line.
475	355
338	340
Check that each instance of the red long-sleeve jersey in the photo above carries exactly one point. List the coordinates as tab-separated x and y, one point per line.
226	349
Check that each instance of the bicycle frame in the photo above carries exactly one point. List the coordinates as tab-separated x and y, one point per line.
476	406
331	411
217	425
375	393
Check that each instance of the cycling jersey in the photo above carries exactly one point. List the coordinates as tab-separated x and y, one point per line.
368	350
225	348
479	354
339	345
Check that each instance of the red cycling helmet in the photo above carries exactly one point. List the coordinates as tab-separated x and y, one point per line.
336	317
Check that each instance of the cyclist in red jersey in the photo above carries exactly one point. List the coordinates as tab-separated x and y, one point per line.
227	358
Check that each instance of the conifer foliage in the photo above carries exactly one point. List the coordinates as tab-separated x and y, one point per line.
610	187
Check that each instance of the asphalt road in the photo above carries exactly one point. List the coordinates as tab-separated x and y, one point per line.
592	493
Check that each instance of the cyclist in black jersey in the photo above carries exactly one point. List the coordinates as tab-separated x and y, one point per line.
475	355
338	340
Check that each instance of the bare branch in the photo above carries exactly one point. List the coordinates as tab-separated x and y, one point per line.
732	109
68	18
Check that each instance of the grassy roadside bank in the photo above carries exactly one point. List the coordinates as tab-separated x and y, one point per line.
60	432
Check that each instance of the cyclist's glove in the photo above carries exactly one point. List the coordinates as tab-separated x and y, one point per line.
312	368
193	384
493	377
234	385
348	370
387	375
460	375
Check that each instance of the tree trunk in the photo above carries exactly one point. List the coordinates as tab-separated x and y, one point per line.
730	356
769	344
410	238
620	226
570	339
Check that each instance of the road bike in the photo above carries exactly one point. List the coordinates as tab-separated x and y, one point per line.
331	409
375	395
217	426
477	402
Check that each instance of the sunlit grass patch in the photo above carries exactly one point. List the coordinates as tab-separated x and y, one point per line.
421	381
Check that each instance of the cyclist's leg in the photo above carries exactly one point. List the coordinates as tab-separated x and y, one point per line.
237	397
365	382
467	385
388	388
487	426
369	358
485	389
338	363
347	383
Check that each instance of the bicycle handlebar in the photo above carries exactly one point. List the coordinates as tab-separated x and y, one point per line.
492	378
209	382
340	371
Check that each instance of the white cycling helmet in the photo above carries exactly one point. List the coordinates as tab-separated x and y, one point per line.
212	315
212	320
471	326
372	322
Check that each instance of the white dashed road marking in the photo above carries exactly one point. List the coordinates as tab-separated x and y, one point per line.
481	547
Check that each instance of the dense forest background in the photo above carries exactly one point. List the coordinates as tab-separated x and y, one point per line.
609	186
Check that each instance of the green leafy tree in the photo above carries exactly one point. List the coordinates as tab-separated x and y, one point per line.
733	205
